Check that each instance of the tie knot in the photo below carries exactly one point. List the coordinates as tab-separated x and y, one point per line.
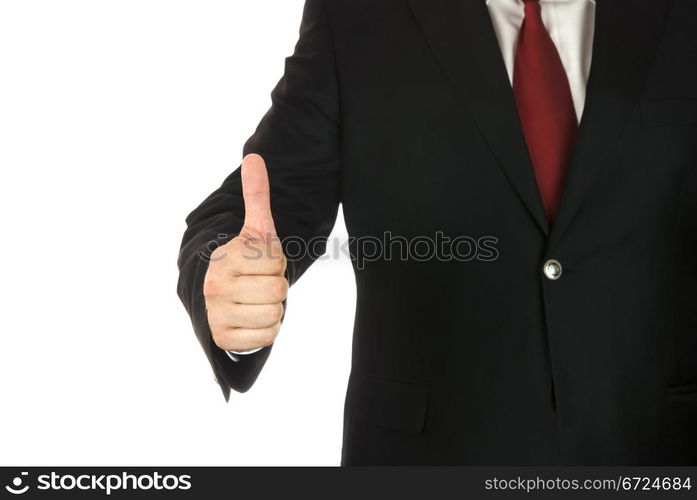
532	7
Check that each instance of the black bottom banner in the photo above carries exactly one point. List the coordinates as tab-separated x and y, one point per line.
357	483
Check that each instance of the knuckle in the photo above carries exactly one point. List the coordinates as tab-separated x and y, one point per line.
211	288
277	265
227	339
219	254
280	289
220	338
275	313
266	316
267	337
284	264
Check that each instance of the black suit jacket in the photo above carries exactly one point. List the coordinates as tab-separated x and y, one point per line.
402	111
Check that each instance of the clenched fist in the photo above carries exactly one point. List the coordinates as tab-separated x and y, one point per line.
245	285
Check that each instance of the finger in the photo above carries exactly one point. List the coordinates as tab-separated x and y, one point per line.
233	315
253	290
256	258
258	289
257	197
246	339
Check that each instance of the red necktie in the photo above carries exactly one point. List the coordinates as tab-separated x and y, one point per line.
545	106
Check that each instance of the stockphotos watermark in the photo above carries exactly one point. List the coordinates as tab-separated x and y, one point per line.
98	483
365	249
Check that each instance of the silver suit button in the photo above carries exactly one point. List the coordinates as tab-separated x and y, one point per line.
553	269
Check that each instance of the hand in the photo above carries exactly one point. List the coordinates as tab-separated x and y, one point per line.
245	286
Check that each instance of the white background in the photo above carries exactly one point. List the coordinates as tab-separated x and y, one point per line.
116	119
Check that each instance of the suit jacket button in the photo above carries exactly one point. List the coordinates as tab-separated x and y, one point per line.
553	270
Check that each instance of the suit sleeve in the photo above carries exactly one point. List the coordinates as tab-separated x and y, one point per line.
299	139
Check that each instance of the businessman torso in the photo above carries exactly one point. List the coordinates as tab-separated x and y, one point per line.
402	110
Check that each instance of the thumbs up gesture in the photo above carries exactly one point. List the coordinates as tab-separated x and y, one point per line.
245	286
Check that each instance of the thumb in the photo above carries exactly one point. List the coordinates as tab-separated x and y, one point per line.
257	197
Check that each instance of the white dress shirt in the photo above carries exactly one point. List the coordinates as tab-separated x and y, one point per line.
571	25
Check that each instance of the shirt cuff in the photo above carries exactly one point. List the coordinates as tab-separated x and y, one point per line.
234	355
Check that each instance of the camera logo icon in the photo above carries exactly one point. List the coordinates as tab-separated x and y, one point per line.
16	487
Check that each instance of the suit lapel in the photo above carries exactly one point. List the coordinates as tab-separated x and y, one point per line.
462	37
626	34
